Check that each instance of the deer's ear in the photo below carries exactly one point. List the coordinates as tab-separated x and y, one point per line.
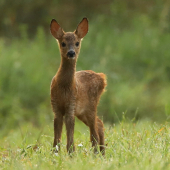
56	30
82	28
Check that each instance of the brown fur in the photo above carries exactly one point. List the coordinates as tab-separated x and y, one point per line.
75	93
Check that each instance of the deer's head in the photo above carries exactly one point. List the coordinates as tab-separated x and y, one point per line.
69	42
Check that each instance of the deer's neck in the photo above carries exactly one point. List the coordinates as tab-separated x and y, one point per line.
66	73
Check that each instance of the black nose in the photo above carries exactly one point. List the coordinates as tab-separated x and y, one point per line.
71	53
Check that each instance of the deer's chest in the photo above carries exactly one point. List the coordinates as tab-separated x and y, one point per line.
63	98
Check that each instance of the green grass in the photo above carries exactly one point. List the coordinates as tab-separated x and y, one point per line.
141	145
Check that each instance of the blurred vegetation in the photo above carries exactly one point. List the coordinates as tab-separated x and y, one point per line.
31	14
127	40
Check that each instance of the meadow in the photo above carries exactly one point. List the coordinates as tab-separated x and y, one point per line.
135	106
141	145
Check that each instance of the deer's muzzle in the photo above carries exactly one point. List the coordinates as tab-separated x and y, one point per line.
71	54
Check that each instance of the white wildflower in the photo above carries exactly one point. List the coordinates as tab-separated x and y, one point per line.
80	145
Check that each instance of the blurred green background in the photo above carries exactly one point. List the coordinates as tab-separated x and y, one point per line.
128	40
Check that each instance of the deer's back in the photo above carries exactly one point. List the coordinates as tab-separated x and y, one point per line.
90	82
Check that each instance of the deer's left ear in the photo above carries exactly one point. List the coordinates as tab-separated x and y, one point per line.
82	28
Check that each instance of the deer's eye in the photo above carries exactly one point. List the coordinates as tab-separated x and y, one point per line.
77	44
63	44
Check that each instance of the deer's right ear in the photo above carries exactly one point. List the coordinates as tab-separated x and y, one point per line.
56	30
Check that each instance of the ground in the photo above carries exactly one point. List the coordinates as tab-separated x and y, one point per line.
129	145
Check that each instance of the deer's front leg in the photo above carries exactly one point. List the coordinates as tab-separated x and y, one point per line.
70	121
58	123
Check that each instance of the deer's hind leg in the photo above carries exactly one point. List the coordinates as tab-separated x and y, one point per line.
94	136
91	122
101	135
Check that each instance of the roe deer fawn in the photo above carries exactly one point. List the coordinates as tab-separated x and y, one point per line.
75	93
